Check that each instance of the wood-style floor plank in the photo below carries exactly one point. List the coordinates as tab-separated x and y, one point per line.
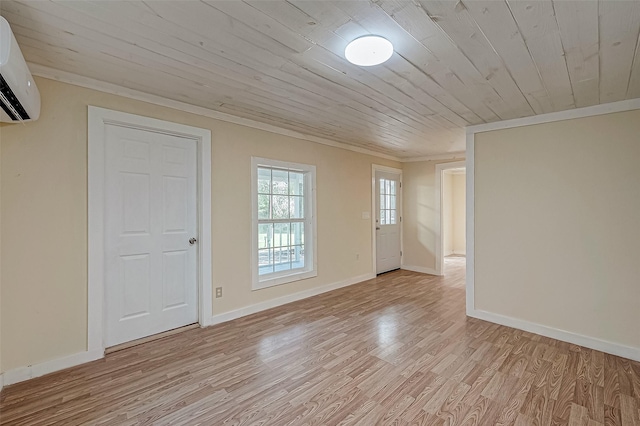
395	350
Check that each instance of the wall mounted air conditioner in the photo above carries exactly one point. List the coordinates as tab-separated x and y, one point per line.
19	96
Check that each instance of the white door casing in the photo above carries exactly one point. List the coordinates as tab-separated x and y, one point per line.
387	216
101	122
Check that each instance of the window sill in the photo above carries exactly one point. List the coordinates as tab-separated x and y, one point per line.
283	279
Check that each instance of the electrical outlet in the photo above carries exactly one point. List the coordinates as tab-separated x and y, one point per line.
218	292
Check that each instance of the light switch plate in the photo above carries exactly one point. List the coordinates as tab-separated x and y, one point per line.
366	215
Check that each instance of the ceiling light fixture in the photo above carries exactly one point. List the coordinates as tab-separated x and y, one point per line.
368	50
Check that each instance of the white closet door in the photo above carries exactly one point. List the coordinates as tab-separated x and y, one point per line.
150	218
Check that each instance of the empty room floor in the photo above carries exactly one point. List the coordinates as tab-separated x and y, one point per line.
397	349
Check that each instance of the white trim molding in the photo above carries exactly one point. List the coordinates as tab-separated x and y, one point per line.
420	269
567	336
440	168
374	214
99	118
550	117
294	297
36	370
558	334
101	86
458	155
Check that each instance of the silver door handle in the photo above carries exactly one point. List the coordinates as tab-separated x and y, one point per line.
192	241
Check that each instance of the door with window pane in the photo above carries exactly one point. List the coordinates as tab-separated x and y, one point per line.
387	221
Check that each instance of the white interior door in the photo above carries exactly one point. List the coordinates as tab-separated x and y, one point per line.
150	217
387	221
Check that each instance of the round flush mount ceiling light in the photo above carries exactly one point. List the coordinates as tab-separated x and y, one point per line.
368	50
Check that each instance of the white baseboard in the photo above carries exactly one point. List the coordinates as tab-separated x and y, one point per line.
258	307
36	370
420	269
554	333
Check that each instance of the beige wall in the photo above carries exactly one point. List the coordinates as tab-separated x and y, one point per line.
447	213
419	214
44	217
556	225
459	213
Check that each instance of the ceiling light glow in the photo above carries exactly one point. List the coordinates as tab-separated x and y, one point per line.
368	50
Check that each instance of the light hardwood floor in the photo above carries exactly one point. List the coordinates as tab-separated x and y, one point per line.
397	349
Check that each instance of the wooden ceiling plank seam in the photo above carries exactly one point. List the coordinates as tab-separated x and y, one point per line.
369	80
619	27
467	85
299	126
138	96
271	28
122	58
498	25
221	90
539	28
375	84
206	21
240	65
450	102
404	118
438	92
475	80
578	24
440	102
433	104
408	48
454	20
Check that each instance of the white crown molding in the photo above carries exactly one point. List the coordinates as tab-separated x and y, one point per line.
570	114
458	155
114	89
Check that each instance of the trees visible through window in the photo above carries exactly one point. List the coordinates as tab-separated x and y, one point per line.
284	226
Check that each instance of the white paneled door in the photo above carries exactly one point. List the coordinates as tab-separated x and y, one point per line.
387	221
150	233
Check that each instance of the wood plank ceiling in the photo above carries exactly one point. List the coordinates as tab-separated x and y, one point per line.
456	63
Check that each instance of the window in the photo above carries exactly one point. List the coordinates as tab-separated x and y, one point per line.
388	209
283	222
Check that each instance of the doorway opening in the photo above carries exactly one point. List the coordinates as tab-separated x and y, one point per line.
451	241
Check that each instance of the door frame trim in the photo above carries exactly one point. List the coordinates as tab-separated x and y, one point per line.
440	168
98	118
379	168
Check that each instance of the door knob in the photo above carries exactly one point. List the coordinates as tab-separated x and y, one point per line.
377	228
192	241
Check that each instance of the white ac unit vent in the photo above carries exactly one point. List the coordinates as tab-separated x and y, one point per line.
19	96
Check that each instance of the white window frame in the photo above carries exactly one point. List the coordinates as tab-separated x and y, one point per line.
310	247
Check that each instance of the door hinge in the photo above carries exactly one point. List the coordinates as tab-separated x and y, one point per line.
400	253
400	218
